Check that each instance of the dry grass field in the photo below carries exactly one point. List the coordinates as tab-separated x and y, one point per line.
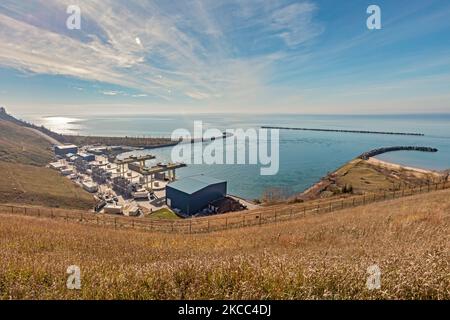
31	185
23	178
316	257
370	176
21	145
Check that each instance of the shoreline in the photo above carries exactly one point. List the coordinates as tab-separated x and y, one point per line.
397	166
368	175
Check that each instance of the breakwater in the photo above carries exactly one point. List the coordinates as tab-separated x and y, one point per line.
378	151
345	131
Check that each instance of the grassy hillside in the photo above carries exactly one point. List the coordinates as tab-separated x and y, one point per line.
23	155
370	176
20	145
33	185
316	257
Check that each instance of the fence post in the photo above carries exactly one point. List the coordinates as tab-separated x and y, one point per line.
243	220
115	223
190	225
226	223
208	225
275	215
81	216
172	225
260	218
290	213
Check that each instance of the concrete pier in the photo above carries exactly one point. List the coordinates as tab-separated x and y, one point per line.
345	131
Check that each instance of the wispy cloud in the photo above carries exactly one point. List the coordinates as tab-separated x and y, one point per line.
181	51
111	93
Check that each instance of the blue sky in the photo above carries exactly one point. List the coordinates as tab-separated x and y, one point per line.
224	56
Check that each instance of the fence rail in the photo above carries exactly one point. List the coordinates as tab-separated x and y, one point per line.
223	222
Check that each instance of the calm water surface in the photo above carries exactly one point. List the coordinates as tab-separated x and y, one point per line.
304	156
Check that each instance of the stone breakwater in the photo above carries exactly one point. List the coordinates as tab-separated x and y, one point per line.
346	131
375	152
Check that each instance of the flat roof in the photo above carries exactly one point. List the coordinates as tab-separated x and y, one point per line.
57	164
69	146
89	184
193	184
84	154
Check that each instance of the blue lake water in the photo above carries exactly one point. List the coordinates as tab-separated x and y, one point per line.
305	156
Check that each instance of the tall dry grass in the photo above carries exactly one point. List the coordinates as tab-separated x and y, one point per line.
315	257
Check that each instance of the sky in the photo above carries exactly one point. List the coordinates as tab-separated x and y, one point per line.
219	56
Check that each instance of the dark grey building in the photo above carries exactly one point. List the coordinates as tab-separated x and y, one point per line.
193	194
63	150
89	157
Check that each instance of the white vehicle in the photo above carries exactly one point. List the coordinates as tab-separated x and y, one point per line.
140	195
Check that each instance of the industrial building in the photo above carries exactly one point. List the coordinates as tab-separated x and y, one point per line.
63	150
87	157
191	195
90	186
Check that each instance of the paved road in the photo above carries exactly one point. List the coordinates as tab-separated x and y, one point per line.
46	137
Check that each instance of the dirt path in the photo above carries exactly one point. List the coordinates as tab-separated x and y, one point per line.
46	137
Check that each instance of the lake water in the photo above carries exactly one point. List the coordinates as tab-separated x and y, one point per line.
305	156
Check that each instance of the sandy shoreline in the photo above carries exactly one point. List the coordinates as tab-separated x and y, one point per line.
396	166
384	171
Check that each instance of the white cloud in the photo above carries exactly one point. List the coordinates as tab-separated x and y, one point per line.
162	50
111	93
295	23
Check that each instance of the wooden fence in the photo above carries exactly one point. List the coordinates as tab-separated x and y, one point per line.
256	217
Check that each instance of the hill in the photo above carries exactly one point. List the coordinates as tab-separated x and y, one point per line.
31	185
322	256
25	180
360	176
11	119
20	145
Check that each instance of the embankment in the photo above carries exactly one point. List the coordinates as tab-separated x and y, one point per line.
378	151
